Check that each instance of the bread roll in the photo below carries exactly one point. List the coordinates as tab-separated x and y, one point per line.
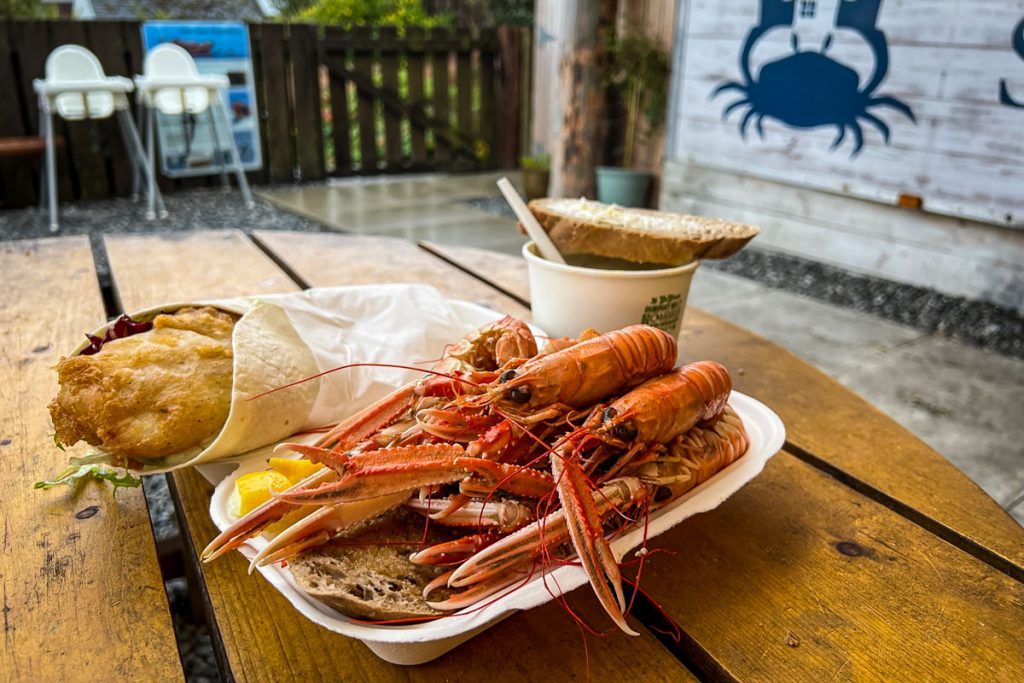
582	226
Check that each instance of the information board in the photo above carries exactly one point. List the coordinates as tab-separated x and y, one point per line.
878	99
189	146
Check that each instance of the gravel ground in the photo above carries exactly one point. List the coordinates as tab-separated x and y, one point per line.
194	644
198	209
985	325
190	629
982	324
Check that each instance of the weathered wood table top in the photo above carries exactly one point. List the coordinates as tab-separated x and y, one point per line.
858	554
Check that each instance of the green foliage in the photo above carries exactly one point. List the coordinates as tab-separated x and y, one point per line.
292	8
540	162
513	12
26	9
75	476
349	13
639	70
640	65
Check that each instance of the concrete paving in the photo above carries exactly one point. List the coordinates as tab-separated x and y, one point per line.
964	402
417	208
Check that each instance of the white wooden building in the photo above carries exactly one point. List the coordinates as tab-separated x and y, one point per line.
779	115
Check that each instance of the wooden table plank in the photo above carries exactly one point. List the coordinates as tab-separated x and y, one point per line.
828	422
198	265
262	637
71	608
330	259
798	575
505	272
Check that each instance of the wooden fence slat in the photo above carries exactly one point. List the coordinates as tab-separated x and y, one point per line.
30	44
132	58
389	61
305	70
11	122
464	89
16	184
414	59
336	60
274	104
340	120
487	75
439	66
256	45
366	109
104	39
83	137
507	135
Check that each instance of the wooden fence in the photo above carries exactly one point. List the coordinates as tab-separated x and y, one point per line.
331	102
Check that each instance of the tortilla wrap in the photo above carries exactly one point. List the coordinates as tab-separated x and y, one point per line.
280	339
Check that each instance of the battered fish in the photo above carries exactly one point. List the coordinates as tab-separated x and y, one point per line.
152	394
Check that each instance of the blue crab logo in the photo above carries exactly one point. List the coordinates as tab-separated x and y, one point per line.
808	88
1017	42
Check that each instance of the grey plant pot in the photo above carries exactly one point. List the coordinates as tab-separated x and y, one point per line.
535	182
623	186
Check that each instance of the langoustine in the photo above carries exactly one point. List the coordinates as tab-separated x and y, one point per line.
506	439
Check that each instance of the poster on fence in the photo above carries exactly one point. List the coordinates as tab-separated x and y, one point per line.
197	144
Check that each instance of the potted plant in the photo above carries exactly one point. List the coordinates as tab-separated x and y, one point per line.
638	73
536	174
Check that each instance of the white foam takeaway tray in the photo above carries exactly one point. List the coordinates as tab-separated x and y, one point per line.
419	643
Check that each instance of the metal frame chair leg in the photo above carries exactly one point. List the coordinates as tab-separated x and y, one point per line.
42	167
236	159
147	170
140	125
46	117
129	147
150	175
225	183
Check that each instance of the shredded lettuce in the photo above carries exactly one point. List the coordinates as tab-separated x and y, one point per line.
76	475
56	441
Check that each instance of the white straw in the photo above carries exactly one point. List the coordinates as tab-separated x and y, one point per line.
537	234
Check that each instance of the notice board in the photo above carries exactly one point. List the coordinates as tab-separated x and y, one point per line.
188	146
869	98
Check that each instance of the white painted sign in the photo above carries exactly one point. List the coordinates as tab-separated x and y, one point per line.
869	98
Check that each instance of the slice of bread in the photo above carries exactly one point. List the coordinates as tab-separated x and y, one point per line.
368	575
582	226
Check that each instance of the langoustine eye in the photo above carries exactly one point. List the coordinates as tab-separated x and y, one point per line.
625	431
520	394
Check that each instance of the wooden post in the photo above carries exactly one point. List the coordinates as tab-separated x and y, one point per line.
510	50
584	119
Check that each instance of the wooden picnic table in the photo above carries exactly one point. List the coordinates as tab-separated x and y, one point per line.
858	554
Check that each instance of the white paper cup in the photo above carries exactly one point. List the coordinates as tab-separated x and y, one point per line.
568	299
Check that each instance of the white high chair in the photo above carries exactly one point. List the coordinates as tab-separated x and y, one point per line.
172	85
75	88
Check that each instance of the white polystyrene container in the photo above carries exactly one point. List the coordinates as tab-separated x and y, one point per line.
569	299
419	643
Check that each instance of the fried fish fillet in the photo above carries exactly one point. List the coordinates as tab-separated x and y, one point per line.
152	394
